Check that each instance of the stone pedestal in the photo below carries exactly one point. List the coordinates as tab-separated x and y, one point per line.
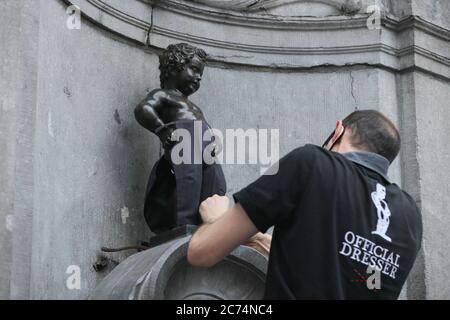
163	273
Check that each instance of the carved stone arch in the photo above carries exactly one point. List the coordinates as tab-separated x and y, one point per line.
315	7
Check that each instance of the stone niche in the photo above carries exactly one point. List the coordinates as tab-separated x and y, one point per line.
308	63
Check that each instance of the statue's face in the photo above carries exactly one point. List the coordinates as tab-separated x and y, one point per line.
188	80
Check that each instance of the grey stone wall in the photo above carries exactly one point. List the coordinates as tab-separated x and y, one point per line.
432	103
74	162
7	143
18	82
90	156
303	106
84	161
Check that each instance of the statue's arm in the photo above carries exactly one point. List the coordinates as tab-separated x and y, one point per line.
146	112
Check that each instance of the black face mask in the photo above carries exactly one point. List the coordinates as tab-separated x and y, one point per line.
324	145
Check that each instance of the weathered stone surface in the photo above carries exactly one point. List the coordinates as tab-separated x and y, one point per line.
289	7
8	81
432	102
20	23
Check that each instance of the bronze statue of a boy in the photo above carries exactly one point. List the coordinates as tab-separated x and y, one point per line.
175	191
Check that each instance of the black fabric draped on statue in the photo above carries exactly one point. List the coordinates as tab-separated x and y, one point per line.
175	191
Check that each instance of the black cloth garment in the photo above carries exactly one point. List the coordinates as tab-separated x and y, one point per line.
175	191
335	215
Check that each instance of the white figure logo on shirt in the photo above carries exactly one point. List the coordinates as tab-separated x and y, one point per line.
383	212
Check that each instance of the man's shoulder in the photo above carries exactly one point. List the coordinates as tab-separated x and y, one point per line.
311	152
409	209
310	155
301	154
307	149
394	187
408	199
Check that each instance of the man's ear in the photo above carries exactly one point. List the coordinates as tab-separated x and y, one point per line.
337	132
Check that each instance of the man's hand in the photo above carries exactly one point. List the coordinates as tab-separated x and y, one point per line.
212	242
213	208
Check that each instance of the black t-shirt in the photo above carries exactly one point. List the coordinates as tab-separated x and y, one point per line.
333	219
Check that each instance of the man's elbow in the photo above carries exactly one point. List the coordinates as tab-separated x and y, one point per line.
198	257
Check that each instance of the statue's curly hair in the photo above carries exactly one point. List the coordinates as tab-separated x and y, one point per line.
175	57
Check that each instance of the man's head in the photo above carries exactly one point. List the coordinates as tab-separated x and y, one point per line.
181	67
366	130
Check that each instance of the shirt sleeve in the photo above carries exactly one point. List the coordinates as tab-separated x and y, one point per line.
271	199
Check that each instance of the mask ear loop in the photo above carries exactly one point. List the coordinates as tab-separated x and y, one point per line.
341	133
324	145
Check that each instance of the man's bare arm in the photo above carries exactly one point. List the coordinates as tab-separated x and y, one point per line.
213	242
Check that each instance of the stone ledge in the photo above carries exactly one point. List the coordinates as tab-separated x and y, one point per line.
274	41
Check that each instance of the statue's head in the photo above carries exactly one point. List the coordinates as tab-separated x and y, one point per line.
181	66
